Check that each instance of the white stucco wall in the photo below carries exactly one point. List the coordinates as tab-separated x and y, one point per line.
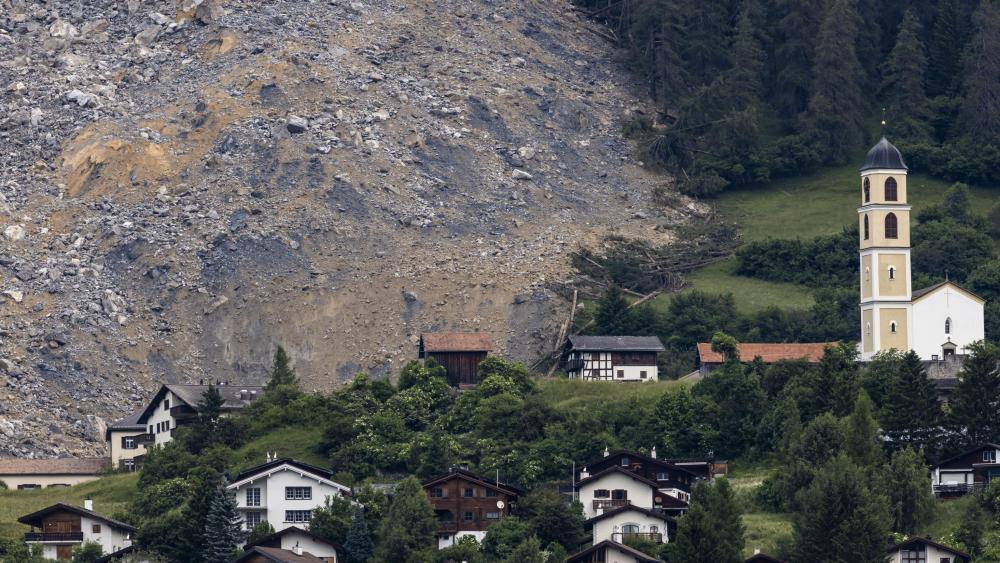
639	494
13	481
633	373
118	453
272	496
450	540
159	414
321	550
110	539
933	555
610	528
615	556
930	312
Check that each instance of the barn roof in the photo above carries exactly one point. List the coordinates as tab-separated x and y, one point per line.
456	342
617	343
57	466
811	352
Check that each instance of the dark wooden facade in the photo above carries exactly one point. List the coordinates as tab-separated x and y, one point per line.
460	353
465	502
462	367
663	473
966	472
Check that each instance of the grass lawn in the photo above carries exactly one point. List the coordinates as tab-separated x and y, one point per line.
110	495
569	394
751	294
293	442
766	531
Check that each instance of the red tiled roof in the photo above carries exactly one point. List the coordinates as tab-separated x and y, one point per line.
769	353
457	342
60	466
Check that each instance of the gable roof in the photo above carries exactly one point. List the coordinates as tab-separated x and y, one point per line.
617	343
54	466
916	539
618	469
638	555
965	453
128	424
292	529
769	353
628	508
456	342
762	558
669	464
925	291
266	469
191	395
277	555
35	518
459	473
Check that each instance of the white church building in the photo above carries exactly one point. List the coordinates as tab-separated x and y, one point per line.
937	321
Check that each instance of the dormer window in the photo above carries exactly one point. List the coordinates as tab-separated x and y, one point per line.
890	189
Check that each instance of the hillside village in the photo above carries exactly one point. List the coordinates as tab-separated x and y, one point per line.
588	281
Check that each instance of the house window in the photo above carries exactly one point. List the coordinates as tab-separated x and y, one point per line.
890	189
468	492
621	374
298	493
916	554
298	515
654	529
491	493
253	496
866	227
990	456
643	375
252	519
625	461
892	327
492	515
892	272
166	404
95	528
128	443
28	487
891	226
150	428
128	464
630	528
602	493
437	492
662	476
868	274
947	325
868	328
868	191
469	516
619	494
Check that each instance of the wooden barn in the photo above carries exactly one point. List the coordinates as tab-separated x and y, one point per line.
459	352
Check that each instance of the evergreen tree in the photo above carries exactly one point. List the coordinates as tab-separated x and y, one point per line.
332	520
88	552
358	548
835	118
210	406
223	533
260	531
282	372
908	485
530	551
409	525
613	314
979	118
974	525
975	404
746	71
911	413
552	519
903	82
945	50
861	441
840	518
792	64
438	457
712	529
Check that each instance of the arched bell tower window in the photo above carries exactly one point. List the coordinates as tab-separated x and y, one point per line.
947	325
890	189
868	190
866	221
892	327
892	272
891	226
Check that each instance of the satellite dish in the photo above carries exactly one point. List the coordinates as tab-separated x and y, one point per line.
500	504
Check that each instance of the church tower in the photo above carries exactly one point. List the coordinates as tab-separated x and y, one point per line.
884	229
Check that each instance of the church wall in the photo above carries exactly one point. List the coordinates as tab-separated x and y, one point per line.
877	226
930	312
866	336
878	187
866	276
887	338
892	287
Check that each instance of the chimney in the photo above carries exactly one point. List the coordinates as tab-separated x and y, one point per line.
244	395
606	451
652	453
88	504
253	394
584	474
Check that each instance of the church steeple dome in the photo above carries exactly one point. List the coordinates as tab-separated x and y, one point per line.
884	155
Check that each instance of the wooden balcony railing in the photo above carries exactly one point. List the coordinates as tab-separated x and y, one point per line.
647	536
447	526
957	488
575	365
607	504
53	536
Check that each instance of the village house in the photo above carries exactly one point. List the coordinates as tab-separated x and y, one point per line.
613	358
61	527
296	541
630	522
283	492
609	551
460	353
467	504
175	405
966	472
258	554
127	439
23	474
621	477
922	550
769	353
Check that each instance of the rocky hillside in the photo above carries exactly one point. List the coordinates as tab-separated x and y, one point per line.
185	186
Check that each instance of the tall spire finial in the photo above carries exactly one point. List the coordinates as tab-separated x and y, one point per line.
883	122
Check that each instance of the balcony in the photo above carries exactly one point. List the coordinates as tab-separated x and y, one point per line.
639	536
447	526
957	488
608	504
574	365
145	438
53	536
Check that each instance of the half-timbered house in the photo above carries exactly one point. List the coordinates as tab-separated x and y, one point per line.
613	358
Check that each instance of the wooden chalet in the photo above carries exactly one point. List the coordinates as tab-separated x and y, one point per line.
769	353
608	551
924	550
460	353
468	504
966	472
661	472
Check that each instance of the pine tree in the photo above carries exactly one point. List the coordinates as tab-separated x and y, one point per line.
409	524
911	413
746	72
903	83
861	441
712	529
210	406
840	518
837	107
792	64
260	531
908	486
613	315
438	457
974	526
223	532
979	118
975	404
947	42
358	548
282	372
529	551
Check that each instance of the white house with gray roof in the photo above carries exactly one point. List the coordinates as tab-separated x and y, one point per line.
175	405
613	358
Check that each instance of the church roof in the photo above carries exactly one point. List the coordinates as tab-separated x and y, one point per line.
918	293
769	353
884	155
